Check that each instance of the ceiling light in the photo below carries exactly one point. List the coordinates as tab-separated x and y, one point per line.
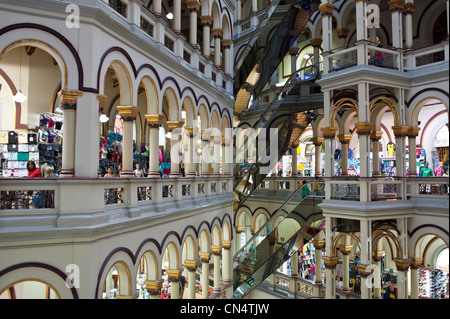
307	56
104	118
19	97
169	16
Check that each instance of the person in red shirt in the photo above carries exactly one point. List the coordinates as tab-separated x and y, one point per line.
33	171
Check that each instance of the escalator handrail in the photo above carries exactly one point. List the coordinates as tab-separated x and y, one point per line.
236	255
290	84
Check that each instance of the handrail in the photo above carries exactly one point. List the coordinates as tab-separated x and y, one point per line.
300	189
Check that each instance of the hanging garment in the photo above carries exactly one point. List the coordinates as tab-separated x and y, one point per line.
3	137
13	137
22	138
391	149
32	138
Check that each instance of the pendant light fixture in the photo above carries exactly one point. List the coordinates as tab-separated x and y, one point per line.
20	97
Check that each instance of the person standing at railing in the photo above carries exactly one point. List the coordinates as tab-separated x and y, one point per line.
439	170
426	171
33	171
379	57
305	189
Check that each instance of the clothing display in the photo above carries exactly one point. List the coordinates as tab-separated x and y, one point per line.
110	152
387	166
433	283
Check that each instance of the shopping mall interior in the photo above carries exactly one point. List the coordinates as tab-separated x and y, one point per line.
224	149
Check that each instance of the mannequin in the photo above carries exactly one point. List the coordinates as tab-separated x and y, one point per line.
138	172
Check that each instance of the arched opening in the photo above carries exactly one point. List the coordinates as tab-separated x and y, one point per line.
117	281
30	289
32	125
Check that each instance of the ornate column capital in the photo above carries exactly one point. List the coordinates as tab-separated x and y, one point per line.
226	44
363	128
174	274
205	257
318	244
69	98
135	296
153	286
206	20
413	132
294	51
330	262
316	43
128	112
329	132
376	135
226	244
345	249
342	32
378	255
344	138
409	8
363	271
295	144
239	229
102	99
193	5
216	250
326	9
154	120
317	141
217	33
396	5
402	264
400	130
172	125
416	263
190	130
191	265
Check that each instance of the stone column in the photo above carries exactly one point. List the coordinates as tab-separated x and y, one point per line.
396	8
408	10
330	276
416	263
294	273
375	136
206	22
190	155
329	134
205	154
342	35
217	35
294	158
226	45
205	274
326	11
318	245
238	10
226	262
174	128
226	158
402	279
102	99
293	51
193	6
154	288
365	256
364	129
413	132
174	278
400	132
154	122
365	271
377	256
316	44
345	250
239	230
216	250
157	8
216	145
344	139
69	100
191	266
317	141
128	114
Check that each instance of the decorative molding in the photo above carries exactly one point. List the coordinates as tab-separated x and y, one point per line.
69	99
329	132
363	128
400	130
154	120
128	112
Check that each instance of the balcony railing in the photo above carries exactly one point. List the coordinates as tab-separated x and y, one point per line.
426	57
343	59
58	201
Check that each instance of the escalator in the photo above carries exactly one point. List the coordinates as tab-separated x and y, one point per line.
259	258
246	182
269	43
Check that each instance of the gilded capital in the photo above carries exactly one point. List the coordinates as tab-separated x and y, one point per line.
318	244
191	265
239	229
226	44
204	257
153	286
216	250
400	130
363	128
329	132
342	32
226	244
316	43
174	274
413	132
217	33
409	8
344	138
317	141
206	20
128	112
402	264
326	9
154	120
330	262
293	51
102	99
193	5
345	249
396	5
416	263
172	125
376	135
69	98
378	255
